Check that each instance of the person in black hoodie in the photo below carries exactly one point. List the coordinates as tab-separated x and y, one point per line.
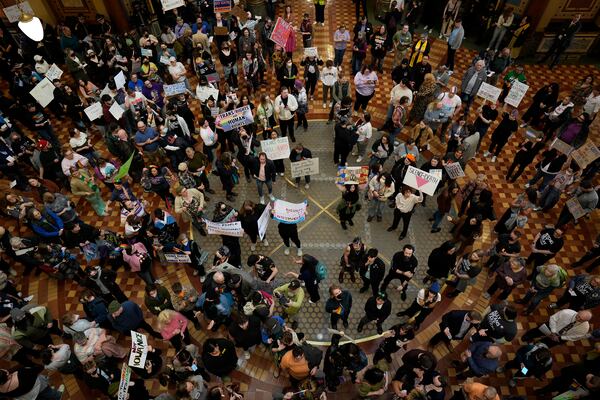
245	331
219	357
377	309
299	153
348	206
372	271
403	267
523	157
345	139
338	305
441	260
543	100
396	337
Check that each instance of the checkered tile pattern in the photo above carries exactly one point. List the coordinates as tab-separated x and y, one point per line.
256	376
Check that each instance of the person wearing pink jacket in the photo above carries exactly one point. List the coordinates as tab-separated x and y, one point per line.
173	327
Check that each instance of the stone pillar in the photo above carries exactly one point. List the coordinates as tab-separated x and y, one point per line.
118	14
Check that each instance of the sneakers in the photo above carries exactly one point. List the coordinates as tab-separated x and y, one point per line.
158	281
331	104
527	185
262	200
354	153
272	197
494	159
281	173
61	389
552	305
202	278
247	355
324	105
265	243
299	252
523	125
253	247
307	186
28	298
286	251
486	153
359	159
486	295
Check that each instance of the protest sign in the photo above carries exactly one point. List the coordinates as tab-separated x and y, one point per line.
174	89
516	93
235	118
224	228
120	80
489	92
54	73
13	13
171	4
124	382
116	110
214	111
43	92
436	172
222	6
311	52
146	52
276	149
586	154
263	221
310	166
352	175
575	208
164	60
204	92
281	31
212	78
139	350
421	180
454	170
561	146
289	213
124	169
94	111
107	91
177	258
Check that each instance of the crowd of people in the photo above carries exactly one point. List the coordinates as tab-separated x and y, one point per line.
162	147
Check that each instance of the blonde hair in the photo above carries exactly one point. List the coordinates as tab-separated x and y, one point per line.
429	78
165	316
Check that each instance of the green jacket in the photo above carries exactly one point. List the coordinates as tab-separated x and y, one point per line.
319	2
364	388
37	329
162	301
295	296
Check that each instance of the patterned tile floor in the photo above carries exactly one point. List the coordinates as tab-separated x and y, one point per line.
322	237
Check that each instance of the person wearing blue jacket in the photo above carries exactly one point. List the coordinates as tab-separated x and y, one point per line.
95	309
128	316
481	359
46	223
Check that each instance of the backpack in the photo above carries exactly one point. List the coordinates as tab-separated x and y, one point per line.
321	270
313	355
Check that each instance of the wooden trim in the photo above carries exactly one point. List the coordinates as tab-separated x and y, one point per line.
87	8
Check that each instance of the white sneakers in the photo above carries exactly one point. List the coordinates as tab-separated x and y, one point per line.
486	153
306	186
265	242
272	197
253	247
262	200
286	251
324	105
247	355
494	159
359	159
299	252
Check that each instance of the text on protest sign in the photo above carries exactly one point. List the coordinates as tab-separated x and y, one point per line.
421	180
263	221
124	382
13	13
310	166
224	228
276	149
139	350
289	213
352	175
281	31
235	118
454	170
120	80
171	4
174	89
311	52
561	146
116	110
586	154
43	92
177	258
516	93
54	73
222	6
94	111
489	92
575	208
204	92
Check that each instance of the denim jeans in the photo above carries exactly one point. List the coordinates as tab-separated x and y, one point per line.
259	186
338	57
327	90
376	207
361	147
437	219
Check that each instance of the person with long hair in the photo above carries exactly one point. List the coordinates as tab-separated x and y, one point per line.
249	215
308	275
423	97
173	327
228	174
348	205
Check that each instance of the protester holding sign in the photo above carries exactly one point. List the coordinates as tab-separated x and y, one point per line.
285	107
249	215
406	201
263	170
299	153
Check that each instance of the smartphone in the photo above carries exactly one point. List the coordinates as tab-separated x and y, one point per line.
194	367
524	370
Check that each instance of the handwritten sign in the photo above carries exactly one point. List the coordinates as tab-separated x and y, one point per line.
124	382
164	60
224	228
516	93
235	118
561	146
177	258
436	172
139	350
311	52
281	31
263	221
174	89
120	80
276	149
13	13
489	92
289	213
214	111
54	73
94	111
204	92
43	92
352	175
171	4
586	154
146	52
222	6
454	170
575	208
421	180
116	110
310	166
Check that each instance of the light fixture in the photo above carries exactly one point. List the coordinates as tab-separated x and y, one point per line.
31	26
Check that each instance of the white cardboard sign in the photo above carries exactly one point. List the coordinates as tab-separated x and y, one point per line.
94	111
54	73
263	221
489	92
224	228
139	350
120	80
421	180
310	166
516	93
116	110
43	92
276	149
454	170
171	4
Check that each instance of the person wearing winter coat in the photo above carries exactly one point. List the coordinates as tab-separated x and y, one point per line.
338	305
377	308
